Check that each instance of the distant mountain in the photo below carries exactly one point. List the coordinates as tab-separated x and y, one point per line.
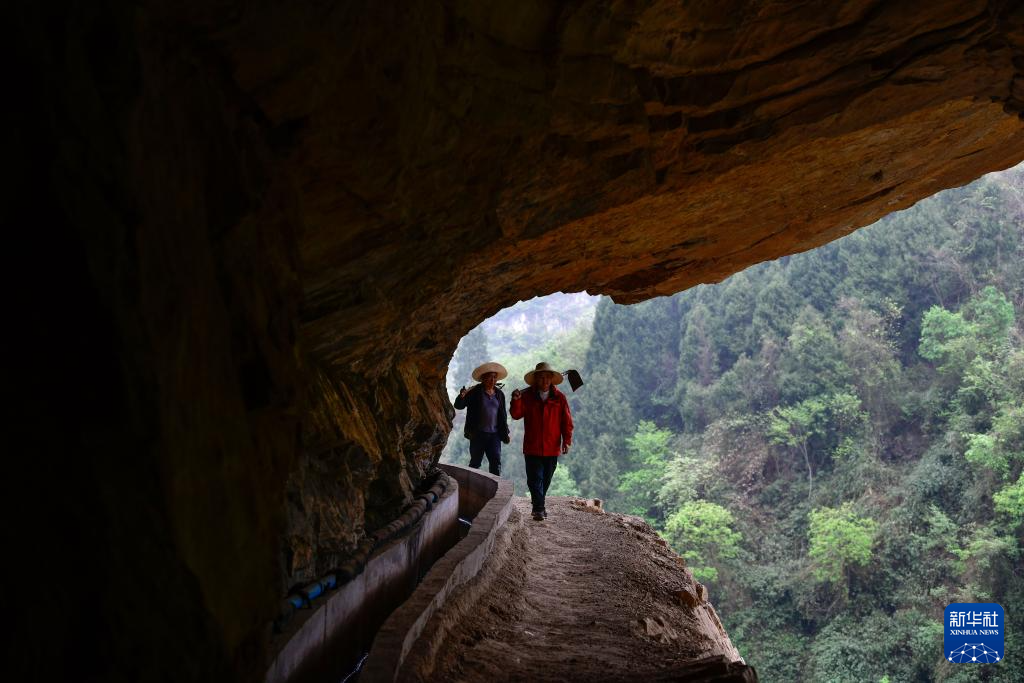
530	324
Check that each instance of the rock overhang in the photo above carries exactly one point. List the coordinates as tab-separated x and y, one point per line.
454	158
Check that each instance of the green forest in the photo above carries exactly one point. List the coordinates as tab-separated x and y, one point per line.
834	441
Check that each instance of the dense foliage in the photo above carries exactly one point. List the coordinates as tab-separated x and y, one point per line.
835	440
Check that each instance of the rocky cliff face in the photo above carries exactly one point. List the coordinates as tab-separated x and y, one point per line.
272	223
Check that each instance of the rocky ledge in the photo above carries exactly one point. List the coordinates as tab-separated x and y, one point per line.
582	596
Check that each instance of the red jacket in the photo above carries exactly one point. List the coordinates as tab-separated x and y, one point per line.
548	423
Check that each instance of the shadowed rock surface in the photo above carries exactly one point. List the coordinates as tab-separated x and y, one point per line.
251	236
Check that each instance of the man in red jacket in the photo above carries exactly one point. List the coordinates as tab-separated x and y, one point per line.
545	411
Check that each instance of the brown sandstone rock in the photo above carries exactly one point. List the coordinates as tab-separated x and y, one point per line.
594	505
687	597
466	158
658	629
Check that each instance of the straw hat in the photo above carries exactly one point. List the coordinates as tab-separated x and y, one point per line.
490	367
544	367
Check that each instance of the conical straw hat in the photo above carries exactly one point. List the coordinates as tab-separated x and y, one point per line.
490	367
544	367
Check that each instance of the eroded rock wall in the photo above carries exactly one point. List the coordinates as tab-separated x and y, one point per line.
155	381
253	235
366	446
470	155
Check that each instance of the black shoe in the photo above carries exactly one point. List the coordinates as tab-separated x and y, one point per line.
544	513
538	516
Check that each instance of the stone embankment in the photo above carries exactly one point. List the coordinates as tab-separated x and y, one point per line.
585	595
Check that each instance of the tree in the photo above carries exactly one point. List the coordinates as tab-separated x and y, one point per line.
992	315
869	351
795	426
698	352
980	328
812	364
839	539
649	456
597	471
981	556
562	483
1010	501
745	388
736	311
683	476
776	307
702	532
605	407
947	340
470	354
982	450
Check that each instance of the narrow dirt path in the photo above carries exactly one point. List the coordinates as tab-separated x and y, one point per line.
583	595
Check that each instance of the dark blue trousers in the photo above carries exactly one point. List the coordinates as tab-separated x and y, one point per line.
539	470
488	443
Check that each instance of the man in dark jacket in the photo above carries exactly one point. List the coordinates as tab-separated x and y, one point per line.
548	430
486	418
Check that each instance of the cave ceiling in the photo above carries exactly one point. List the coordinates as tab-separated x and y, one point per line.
454	157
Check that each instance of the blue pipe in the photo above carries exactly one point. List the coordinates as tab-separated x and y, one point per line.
312	591
306	595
